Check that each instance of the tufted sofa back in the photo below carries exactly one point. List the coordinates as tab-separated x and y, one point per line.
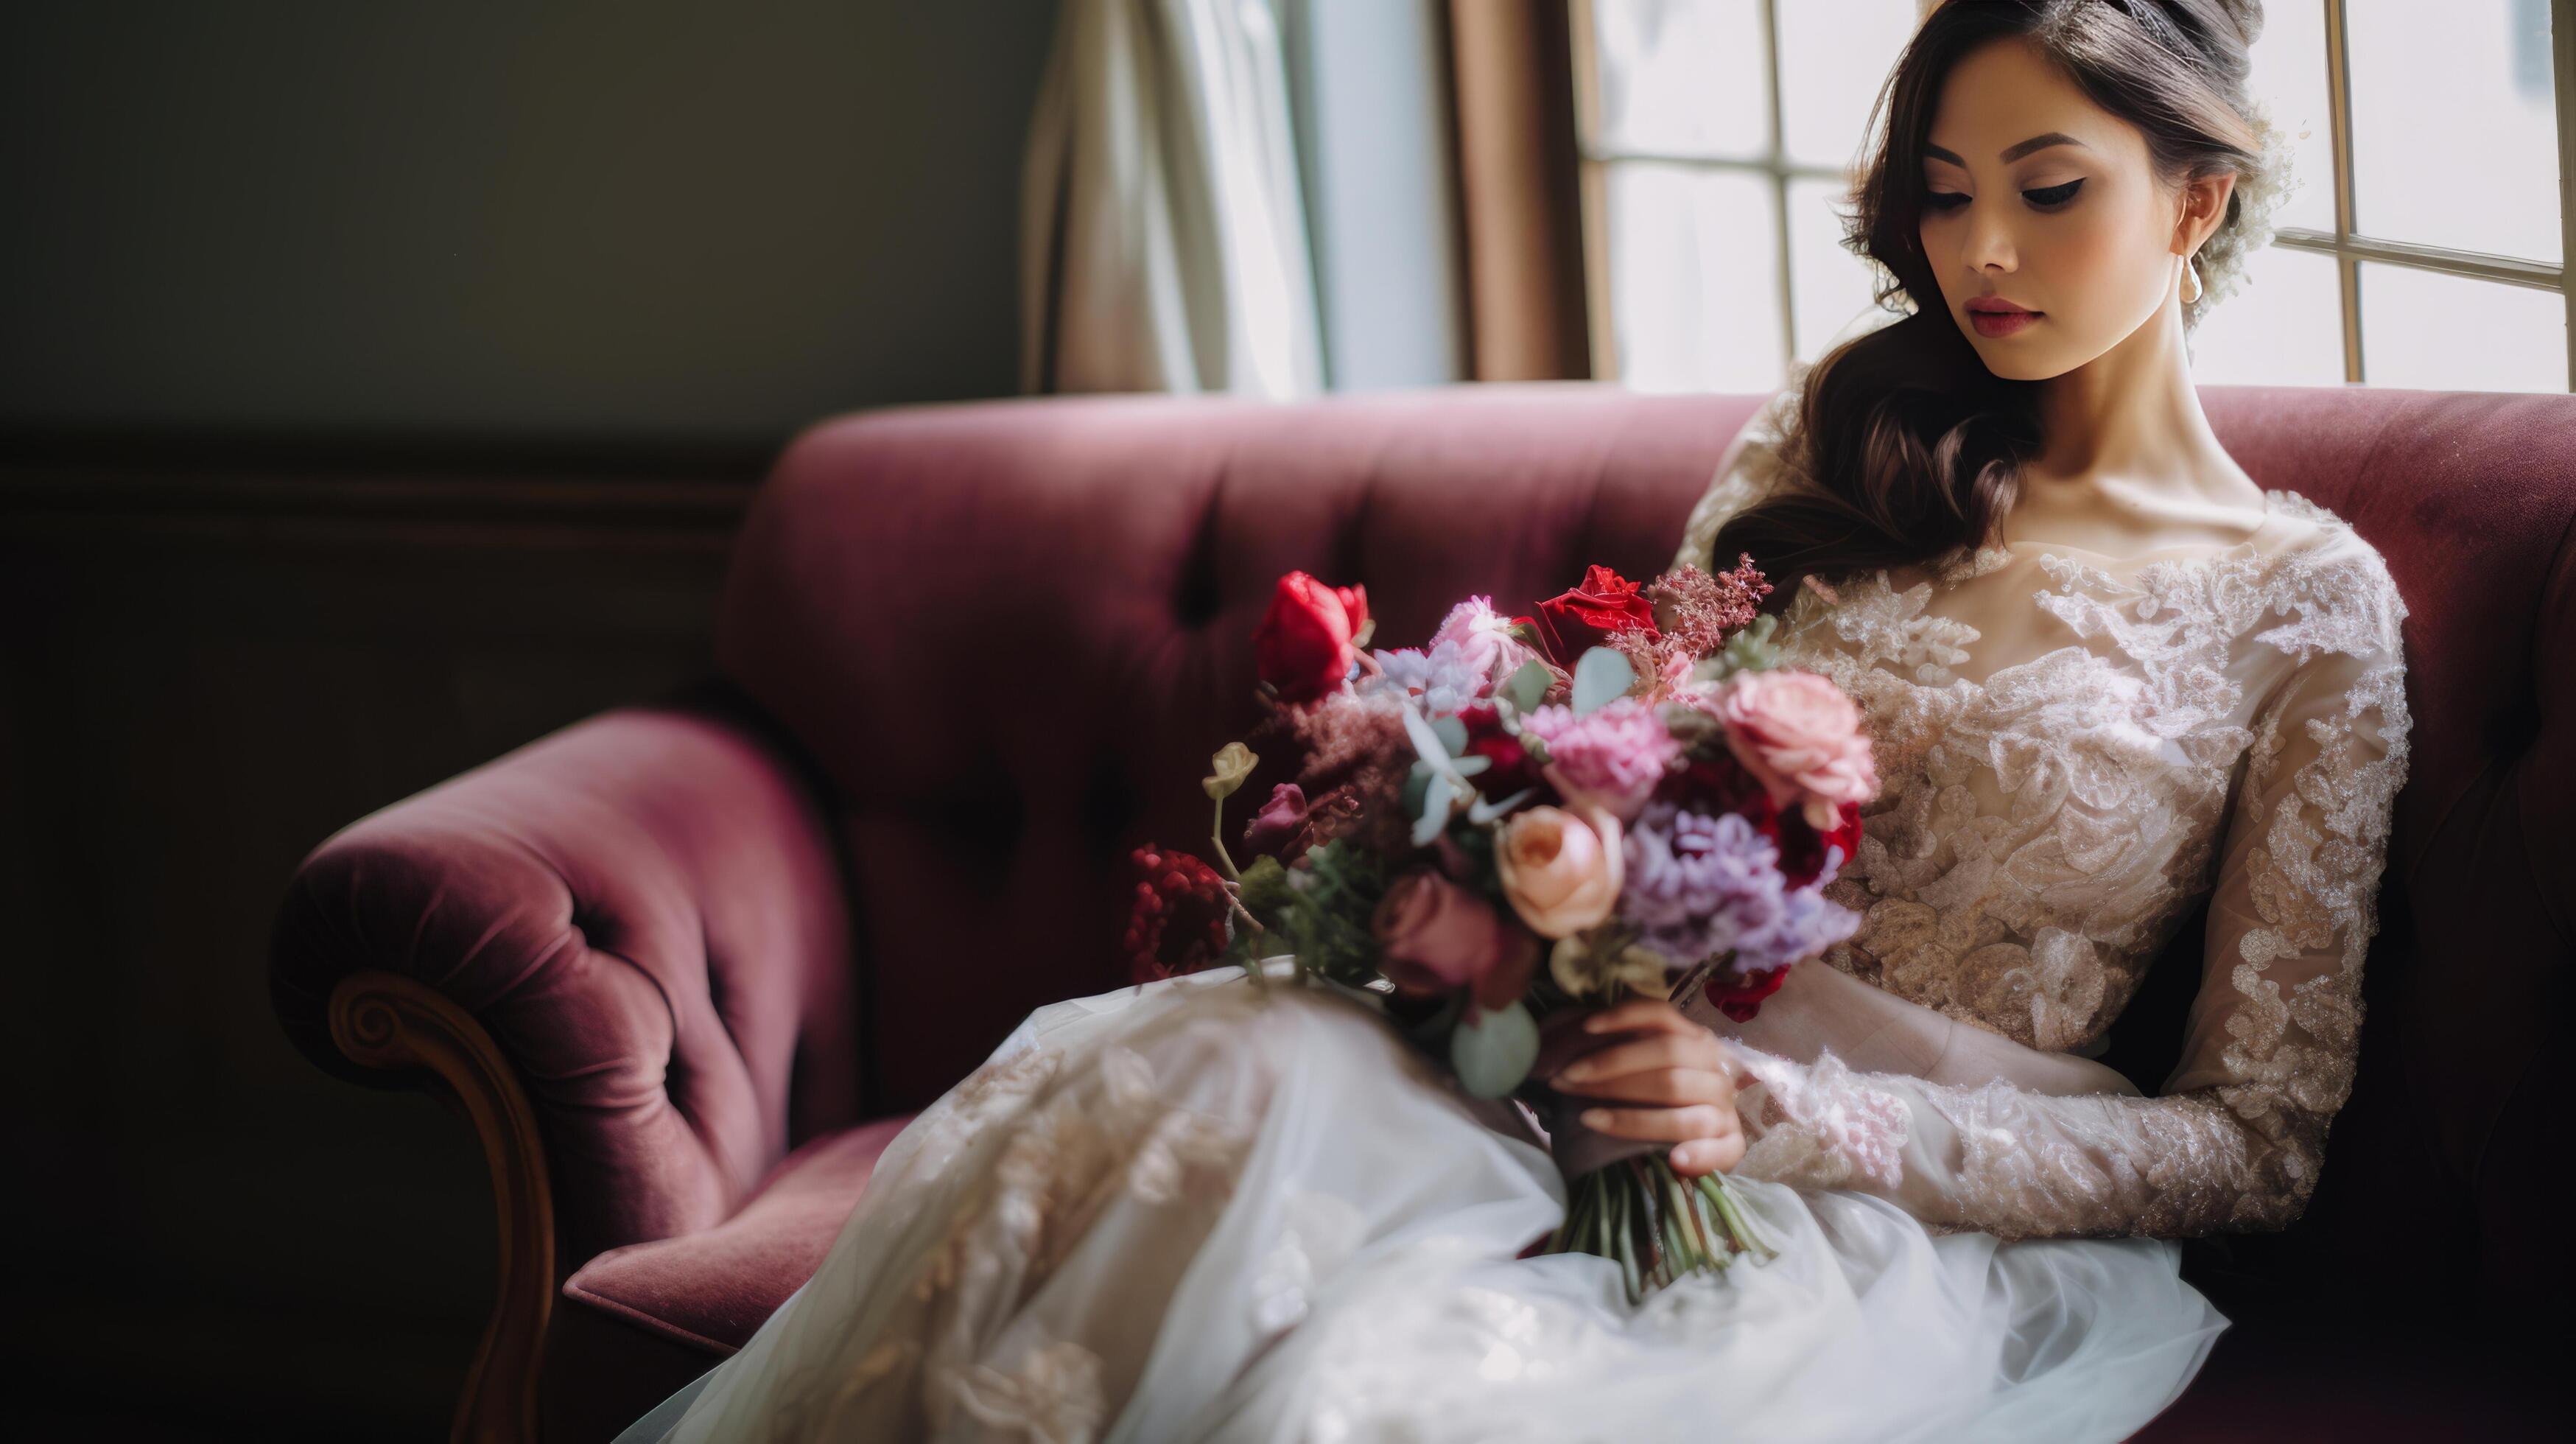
1011	632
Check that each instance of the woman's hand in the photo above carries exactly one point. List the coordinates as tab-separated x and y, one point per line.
1672	1063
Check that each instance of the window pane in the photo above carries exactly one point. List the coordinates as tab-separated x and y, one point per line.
1829	287
2449	333
2283	327
1694	278
1683	77
1833	59
2290	80
2454	137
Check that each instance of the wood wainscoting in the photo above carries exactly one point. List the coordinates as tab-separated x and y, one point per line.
213	655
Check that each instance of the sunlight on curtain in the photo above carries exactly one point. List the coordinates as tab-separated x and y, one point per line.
1163	234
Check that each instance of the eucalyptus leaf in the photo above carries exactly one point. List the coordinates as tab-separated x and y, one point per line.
1436	797
1426	742
1493	1050
1485	811
1601	677
1525	688
1469	766
1452	734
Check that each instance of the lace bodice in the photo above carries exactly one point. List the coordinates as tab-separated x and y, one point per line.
2074	751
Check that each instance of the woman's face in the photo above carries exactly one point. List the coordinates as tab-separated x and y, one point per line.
2081	233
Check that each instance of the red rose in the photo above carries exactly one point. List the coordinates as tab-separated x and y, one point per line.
1511	770
1586	617
1178	922
1303	645
1740	997
1720	785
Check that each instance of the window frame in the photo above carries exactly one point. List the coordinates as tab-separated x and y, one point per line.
2345	244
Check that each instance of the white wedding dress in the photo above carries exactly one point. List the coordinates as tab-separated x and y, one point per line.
1203	1210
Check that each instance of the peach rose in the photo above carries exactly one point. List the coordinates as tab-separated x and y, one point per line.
1800	737
1560	871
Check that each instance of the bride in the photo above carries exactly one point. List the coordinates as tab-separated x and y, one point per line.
2107	676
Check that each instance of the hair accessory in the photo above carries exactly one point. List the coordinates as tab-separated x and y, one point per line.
2257	197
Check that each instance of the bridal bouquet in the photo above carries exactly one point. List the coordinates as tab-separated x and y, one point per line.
1530	817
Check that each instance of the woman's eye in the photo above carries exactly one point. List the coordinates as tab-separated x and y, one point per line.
2049	199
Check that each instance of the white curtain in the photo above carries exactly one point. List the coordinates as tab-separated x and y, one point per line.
1163	242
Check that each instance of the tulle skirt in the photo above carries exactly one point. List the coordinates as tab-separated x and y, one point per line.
1203	1209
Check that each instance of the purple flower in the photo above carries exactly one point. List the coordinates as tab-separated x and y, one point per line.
1444	679
1698	885
1807	925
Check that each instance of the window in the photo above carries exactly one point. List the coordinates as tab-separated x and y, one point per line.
1719	140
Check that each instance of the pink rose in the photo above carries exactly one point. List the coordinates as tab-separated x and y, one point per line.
1800	737
1561	872
1435	937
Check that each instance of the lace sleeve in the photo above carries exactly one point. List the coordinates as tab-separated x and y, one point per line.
1744	475
2236	1138
2276	1027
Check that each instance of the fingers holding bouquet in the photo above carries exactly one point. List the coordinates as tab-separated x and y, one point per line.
1679	1069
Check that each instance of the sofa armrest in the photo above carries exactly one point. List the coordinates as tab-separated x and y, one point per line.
624	950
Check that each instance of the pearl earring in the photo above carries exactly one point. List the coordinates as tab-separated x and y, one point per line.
2190	282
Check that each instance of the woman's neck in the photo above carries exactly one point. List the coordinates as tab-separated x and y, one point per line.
2130	462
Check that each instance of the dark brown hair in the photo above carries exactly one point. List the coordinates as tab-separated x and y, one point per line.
1902	444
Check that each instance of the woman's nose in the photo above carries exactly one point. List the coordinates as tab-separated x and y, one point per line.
1989	245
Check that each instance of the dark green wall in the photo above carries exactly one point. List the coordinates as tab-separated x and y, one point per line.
638	220
457	334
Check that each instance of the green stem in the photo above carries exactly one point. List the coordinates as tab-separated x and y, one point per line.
1681	1225
1641	1175
1602	1243
1216	836
1736	1222
1628	1245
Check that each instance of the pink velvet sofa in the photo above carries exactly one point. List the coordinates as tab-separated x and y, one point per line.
689	965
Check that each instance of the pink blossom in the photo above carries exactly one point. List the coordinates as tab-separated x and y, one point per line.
1276	826
1611	758
1800	736
1484	638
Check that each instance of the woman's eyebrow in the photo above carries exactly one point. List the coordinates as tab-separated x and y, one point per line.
2015	152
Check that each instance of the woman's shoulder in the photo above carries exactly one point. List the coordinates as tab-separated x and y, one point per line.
2331	581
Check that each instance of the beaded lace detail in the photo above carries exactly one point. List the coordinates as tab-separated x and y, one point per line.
1035	1150
2230	724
